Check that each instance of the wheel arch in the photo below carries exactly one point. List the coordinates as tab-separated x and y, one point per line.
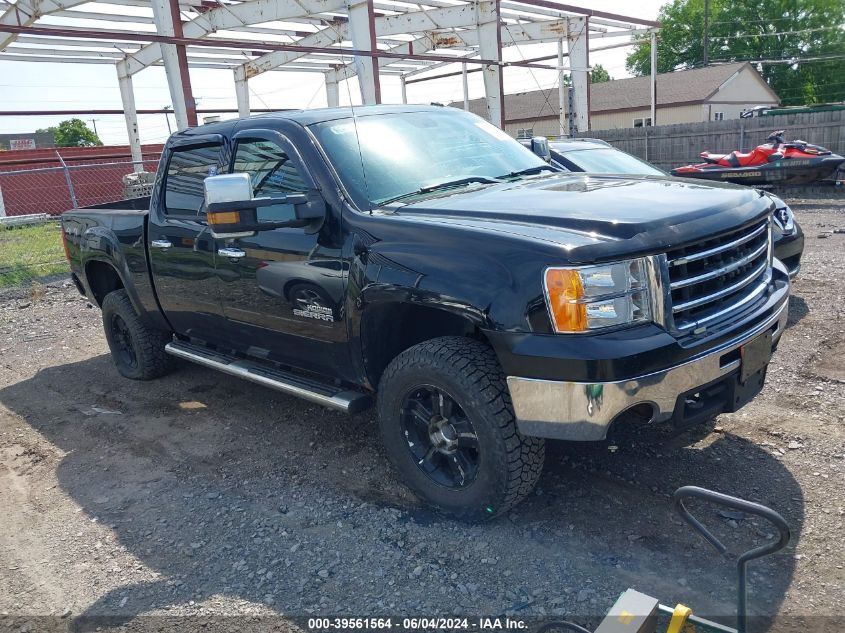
389	328
103	278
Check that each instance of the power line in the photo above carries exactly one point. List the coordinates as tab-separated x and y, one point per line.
753	35
790	61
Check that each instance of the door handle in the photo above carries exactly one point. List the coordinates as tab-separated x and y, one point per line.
161	244
231	253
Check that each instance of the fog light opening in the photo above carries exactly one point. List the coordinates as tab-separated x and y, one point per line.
645	411
632	418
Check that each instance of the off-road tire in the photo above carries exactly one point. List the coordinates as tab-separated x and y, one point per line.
509	463
147	343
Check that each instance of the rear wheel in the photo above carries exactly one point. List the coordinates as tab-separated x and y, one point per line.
448	426
137	349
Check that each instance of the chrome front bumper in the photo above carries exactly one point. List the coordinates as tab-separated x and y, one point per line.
584	411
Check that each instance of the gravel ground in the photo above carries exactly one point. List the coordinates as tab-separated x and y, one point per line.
199	496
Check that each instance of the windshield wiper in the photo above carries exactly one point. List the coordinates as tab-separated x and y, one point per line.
442	185
529	172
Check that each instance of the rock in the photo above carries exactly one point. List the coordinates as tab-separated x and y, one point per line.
732	514
323	573
794	446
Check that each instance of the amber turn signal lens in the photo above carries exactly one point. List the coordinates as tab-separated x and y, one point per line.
565	289
224	217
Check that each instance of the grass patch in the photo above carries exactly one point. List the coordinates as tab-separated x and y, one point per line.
31	253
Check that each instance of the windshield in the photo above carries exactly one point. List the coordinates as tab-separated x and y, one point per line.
405	152
607	160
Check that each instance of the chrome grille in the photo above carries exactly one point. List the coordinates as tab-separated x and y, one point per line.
710	280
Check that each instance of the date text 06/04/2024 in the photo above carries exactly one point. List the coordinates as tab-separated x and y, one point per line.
416	624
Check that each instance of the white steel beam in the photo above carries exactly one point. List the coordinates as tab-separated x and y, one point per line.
465	85
242	96
10	57
231	16
579	64
22	50
26	12
332	90
169	55
429	20
362	31
653	78
512	34
490	47
326	37
127	96
414	22
561	90
422	45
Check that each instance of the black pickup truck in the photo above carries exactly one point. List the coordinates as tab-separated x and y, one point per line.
418	258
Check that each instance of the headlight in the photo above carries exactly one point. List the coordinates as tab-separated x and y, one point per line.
783	216
593	297
785	220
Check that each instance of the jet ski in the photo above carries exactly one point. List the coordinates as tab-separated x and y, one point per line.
774	162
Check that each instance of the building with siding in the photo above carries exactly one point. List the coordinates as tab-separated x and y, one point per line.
713	93
26	140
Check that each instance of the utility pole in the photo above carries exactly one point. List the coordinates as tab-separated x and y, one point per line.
706	44
94	122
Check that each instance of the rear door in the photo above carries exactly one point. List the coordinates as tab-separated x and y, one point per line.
283	290
182	250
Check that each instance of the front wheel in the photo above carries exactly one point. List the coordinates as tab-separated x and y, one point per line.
137	349
448	427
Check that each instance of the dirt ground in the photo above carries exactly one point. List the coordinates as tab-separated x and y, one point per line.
203	502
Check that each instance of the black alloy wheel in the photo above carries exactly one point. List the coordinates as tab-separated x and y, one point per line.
122	339
138	349
440	436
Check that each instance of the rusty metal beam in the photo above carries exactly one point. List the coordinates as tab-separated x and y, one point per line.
184	72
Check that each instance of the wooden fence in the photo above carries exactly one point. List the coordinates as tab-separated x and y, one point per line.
669	146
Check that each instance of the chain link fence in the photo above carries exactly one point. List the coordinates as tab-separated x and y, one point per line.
53	190
33	198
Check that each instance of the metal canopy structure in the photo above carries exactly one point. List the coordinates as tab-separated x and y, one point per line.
342	39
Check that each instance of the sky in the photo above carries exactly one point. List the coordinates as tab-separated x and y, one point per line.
45	86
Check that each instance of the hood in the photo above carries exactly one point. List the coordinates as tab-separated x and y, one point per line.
647	213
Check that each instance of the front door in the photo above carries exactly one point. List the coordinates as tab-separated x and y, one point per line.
182	250
283	290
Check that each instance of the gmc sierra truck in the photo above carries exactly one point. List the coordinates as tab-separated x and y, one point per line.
419	259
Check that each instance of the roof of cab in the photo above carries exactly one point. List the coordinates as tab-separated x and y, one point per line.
317	115
570	144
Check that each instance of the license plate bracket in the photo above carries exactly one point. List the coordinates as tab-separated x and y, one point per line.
755	356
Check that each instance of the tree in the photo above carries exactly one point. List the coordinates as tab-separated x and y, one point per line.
792	32
599	75
73	133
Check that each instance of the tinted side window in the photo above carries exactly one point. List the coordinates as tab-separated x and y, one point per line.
273	175
186	171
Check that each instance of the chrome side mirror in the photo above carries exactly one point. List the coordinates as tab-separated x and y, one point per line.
227	188
540	146
231	209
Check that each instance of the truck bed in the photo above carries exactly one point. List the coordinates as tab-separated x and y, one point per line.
109	236
130	204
